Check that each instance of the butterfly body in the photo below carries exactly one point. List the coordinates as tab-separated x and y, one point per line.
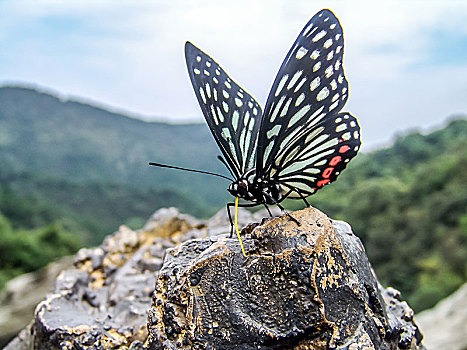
255	189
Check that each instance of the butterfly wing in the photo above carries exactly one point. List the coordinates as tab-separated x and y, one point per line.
304	142
309	88
317	156
233	116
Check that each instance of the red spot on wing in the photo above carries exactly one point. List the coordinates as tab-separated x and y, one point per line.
327	172
335	160
321	183
344	149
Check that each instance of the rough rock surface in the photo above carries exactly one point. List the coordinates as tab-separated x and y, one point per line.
301	287
21	295
445	325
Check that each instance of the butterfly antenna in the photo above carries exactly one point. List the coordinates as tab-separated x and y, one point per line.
225	163
192	170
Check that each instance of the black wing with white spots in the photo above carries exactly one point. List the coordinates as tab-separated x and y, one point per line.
306	97
231	113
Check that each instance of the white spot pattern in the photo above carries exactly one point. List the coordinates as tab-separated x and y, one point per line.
299	115
300	84
333	84
294	79
319	36
315	83
301	53
341	127
274	131
314	55
235	118
219	114
317	66
276	109
214	115
281	84
337	65
203	97
327	44
286	108
226	134
323	94
300	99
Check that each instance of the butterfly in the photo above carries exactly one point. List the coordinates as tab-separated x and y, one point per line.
301	141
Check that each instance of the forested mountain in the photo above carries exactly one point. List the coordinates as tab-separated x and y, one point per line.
85	170
89	166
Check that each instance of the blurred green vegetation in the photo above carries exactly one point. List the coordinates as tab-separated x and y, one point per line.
29	250
84	170
91	210
408	204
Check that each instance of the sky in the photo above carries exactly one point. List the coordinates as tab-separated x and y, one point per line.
405	61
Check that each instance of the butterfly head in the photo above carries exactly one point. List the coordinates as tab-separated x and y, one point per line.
241	189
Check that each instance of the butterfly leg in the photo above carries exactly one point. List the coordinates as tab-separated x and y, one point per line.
267	208
293	189
283	209
303	198
288	214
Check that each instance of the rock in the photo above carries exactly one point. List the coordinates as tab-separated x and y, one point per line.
301	287
21	295
445	325
103	300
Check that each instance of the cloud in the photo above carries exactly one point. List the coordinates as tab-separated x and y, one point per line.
405	60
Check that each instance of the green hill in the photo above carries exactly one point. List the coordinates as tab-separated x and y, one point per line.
85	169
66	139
81	164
